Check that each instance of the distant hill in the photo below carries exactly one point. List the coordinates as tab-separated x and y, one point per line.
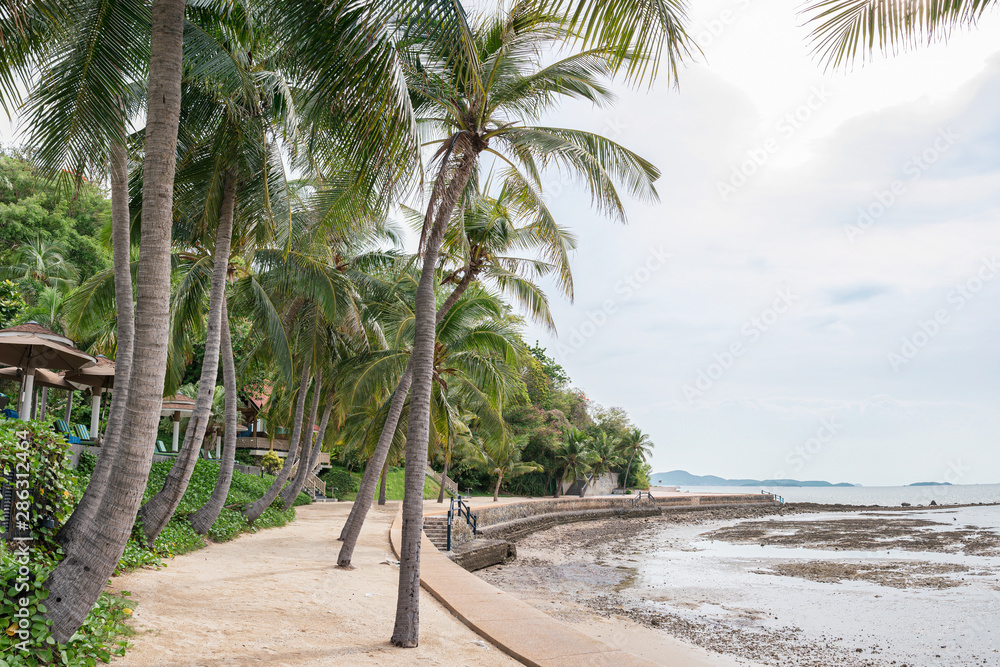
684	478
930	484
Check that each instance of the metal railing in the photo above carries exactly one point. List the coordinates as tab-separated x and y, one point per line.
460	507
774	495
640	496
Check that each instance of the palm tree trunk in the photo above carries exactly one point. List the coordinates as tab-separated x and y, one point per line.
366	490
323	424
157	512
253	512
205	517
352	527
76	583
406	632
444	478
628	469
384	477
292	492
121	246
496	489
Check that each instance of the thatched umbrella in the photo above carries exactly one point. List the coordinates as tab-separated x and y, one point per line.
99	377
175	407
31	346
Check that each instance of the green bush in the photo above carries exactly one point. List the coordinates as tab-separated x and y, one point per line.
86	464
339	482
271	463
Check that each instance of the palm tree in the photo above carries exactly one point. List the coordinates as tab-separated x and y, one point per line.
574	456
844	29
503	457
77	582
634	443
486	104
603	455
45	262
206	515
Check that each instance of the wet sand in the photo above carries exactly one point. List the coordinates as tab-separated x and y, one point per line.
797	585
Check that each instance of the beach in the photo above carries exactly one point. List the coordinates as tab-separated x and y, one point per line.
790	585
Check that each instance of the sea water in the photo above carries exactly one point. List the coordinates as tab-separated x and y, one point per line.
685	571
887	496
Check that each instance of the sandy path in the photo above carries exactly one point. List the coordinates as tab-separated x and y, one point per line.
276	598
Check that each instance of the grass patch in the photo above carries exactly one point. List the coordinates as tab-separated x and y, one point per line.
394	484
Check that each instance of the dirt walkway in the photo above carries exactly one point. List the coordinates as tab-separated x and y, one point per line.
276	598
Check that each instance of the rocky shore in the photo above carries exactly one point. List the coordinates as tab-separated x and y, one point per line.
787	585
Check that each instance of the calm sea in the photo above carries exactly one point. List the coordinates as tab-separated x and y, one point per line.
959	494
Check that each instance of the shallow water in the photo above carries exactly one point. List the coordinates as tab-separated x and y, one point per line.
916	608
887	496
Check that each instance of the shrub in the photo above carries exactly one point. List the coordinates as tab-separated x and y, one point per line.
271	463
339	482
85	466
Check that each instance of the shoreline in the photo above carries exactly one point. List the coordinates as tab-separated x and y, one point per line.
596	577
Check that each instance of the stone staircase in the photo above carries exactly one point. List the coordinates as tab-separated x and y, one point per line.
449	484
436	529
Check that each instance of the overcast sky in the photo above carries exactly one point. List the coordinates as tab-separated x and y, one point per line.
829	306
816	295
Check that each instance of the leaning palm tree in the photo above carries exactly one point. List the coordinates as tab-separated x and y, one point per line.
488	104
846	29
634	444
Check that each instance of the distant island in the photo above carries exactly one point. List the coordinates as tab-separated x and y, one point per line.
684	478
930	484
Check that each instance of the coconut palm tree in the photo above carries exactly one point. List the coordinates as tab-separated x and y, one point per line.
206	515
845	29
487	104
603	455
45	262
574	456
634	443
503	458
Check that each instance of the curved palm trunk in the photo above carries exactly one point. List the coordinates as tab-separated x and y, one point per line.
496	489
363	502
85	510
205	517
323	424
382	481
157	512
444	478
77	582
366	490
628	469
406	632
292	492
253	512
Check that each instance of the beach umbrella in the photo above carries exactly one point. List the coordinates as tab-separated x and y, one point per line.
100	377
175	407
30	347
